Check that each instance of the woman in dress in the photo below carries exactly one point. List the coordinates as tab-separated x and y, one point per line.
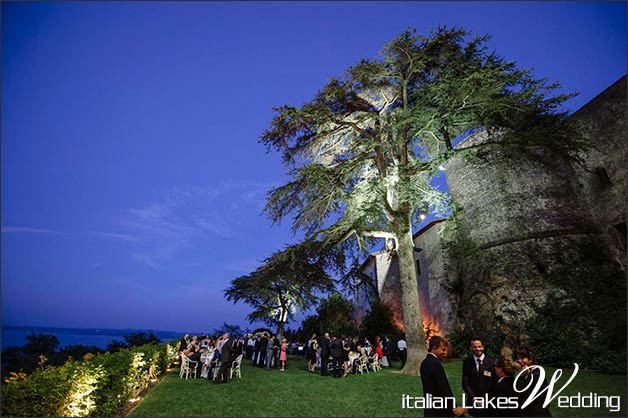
283	357
311	353
378	349
345	355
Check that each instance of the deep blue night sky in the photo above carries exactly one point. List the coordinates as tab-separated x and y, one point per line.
132	179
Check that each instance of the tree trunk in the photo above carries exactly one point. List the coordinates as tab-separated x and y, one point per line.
280	330
412	317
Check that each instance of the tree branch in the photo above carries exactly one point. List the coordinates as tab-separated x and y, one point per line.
378	234
381	234
356	127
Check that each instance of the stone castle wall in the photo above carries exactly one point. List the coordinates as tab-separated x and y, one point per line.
533	222
435	294
602	183
382	272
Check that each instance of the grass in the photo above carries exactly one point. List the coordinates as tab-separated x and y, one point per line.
296	392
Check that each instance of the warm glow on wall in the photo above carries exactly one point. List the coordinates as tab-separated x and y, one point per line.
431	327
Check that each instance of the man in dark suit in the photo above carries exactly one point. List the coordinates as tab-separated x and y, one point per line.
435	381
389	349
325	350
336	353
276	347
503	388
256	349
478	376
263	347
227	355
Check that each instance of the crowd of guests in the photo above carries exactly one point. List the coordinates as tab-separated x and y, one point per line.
338	356
335	356
210	358
484	376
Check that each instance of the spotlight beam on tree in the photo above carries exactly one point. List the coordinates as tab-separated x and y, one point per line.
361	153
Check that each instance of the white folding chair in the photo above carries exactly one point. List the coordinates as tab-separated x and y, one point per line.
216	368
187	367
375	363
361	364
235	367
206	359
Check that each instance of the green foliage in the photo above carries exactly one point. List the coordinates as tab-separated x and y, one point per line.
100	385
459	341
42	394
133	339
286	282
83	378
39	343
26	358
595	302
235	330
334	315
15	359
292	335
139	338
366	146
310	325
379	321
464	257
171	354
76	352
116	345
112	393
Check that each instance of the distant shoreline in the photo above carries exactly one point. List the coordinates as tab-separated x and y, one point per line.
91	331
15	336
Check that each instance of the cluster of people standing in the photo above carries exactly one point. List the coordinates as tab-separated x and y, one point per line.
265	350
342	354
483	376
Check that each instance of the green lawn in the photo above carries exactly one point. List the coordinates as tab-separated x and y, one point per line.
296	392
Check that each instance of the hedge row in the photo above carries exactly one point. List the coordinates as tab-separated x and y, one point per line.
100	385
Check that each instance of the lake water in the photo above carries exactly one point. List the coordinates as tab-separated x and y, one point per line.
16	336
